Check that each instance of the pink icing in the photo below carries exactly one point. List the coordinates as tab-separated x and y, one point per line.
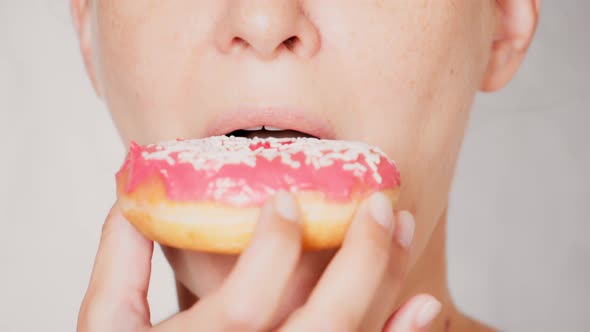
243	171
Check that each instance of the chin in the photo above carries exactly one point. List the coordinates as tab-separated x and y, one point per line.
203	273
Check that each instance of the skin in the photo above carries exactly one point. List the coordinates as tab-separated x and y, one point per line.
398	74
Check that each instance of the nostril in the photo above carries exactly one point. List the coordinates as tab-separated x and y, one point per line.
239	41
291	42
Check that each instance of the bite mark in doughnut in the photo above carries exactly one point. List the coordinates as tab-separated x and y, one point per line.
206	194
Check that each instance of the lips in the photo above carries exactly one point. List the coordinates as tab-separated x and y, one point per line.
270	122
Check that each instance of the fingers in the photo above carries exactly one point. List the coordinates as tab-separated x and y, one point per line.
376	246
415	316
249	296
386	298
116	296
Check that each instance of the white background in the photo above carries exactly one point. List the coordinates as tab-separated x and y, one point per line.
519	254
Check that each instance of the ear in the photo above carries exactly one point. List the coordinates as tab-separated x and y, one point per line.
516	23
81	15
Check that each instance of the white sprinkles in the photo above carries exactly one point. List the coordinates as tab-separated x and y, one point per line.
211	153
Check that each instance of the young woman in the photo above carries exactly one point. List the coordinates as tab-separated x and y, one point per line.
398	74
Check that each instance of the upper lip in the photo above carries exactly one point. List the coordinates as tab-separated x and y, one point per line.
305	122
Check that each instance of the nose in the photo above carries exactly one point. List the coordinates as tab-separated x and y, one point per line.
267	27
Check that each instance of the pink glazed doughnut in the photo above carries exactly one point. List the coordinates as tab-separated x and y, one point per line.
206	194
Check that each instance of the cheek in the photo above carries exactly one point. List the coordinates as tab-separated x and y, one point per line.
412	93
146	55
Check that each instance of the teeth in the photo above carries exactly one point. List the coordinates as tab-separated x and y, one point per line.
253	128
270	128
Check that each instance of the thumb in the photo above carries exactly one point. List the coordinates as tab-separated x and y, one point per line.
116	298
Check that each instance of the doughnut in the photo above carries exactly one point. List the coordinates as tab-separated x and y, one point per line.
206	194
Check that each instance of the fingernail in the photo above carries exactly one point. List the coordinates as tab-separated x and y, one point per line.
427	312
285	206
381	210
406	226
520	44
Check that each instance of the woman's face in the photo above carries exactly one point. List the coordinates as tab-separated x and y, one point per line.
398	74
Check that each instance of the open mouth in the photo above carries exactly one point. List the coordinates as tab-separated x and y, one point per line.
268	131
269	122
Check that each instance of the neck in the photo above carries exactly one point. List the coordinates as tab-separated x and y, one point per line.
429	275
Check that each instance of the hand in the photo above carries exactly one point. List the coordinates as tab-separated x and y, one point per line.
116	299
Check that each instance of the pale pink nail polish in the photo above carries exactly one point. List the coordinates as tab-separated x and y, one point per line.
427	313
381	210
285	206
406	227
